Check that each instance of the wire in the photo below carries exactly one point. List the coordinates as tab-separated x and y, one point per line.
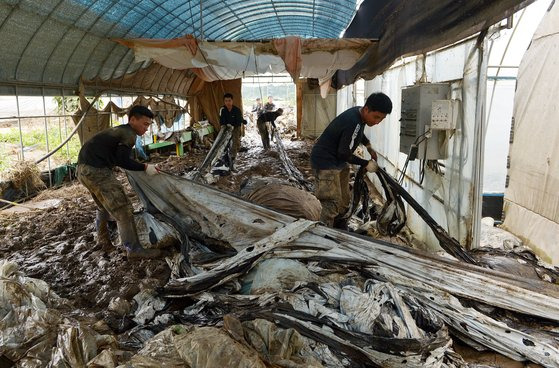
417	142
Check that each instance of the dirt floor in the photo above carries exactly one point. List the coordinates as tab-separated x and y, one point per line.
57	244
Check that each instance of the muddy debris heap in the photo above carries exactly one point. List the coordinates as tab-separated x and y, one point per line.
246	286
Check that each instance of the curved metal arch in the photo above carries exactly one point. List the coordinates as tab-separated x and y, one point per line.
116	45
234	34
165	78
104	62
264	35
256	10
47	17
277	16
235	15
292	5
61	42
101	39
8	17
297	27
128	52
232	31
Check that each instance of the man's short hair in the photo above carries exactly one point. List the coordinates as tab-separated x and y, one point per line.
270	96
228	95
258	99
379	102
138	111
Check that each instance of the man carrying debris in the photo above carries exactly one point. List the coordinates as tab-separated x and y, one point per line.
105	150
334	150
263	129
231	115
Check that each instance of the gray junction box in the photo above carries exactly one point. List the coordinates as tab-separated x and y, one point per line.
416	120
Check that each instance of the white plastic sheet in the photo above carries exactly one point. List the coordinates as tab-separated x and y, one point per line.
532	198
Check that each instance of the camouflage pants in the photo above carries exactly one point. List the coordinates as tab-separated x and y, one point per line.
110	198
332	190
235	142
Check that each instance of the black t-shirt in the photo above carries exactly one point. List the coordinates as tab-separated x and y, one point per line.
335	146
233	117
111	147
270	116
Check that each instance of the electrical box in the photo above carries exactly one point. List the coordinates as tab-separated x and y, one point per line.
444	114
415	122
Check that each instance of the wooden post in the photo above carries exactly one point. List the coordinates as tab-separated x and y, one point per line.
299	92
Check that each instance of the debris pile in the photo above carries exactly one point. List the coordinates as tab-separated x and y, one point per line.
347	294
245	286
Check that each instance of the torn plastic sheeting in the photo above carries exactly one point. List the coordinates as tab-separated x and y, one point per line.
35	335
293	173
221	216
76	345
358	348
194	347
276	346
278	274
152	232
148	304
218	149
238	264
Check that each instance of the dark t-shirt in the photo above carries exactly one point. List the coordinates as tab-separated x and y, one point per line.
270	116
109	148
233	117
335	146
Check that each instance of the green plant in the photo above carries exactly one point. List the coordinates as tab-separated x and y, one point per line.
35	138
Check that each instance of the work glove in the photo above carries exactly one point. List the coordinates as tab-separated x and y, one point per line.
151	170
372	166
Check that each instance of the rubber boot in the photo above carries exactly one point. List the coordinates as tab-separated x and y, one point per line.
130	241
103	234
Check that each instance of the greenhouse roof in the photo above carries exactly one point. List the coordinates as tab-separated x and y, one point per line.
51	44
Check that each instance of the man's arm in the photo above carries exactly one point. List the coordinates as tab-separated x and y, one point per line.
222	119
123	159
344	148
365	141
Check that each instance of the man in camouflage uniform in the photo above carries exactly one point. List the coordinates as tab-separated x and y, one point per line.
334	150
97	158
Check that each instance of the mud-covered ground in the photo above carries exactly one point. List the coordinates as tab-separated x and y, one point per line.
57	244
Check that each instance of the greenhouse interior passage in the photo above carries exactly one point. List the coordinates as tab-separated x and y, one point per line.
279	183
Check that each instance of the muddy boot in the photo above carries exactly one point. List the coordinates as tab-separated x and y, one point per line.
139	252
130	241
103	234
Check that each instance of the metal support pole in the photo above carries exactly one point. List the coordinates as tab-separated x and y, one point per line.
46	134
19	126
201	22
65	124
479	139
